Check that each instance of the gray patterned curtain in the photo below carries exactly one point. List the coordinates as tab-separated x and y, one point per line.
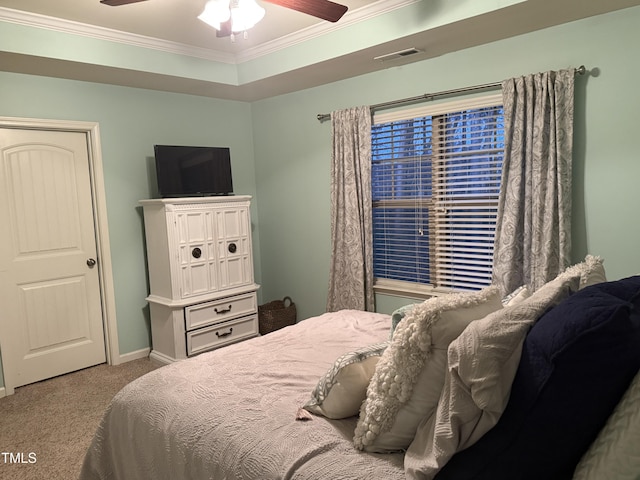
351	274
533	231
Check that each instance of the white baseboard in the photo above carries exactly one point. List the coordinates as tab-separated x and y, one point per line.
161	358
3	393
128	357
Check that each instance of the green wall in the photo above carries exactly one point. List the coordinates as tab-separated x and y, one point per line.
293	149
131	122
281	153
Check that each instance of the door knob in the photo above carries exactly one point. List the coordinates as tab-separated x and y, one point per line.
91	263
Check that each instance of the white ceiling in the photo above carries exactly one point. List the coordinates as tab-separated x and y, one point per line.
176	21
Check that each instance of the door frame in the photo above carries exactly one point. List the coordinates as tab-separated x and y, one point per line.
107	292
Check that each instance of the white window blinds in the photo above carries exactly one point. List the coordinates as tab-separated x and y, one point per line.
435	183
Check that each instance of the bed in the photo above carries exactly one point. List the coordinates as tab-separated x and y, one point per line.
231	413
488	397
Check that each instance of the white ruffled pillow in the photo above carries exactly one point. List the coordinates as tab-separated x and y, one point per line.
408	378
591	271
340	392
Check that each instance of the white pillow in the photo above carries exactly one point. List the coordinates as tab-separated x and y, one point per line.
519	295
340	392
482	363
615	453
408	378
593	271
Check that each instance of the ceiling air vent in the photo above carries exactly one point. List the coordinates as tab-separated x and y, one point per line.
399	54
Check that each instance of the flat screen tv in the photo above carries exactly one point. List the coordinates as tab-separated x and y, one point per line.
184	171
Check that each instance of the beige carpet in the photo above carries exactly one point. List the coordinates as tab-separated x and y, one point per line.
47	426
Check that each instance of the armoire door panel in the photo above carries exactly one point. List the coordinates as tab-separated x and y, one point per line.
197	254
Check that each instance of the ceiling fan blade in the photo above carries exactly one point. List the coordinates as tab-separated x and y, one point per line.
117	3
323	9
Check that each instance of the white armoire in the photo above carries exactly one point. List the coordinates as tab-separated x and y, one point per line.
202	289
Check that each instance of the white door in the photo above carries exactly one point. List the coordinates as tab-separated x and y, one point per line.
51	318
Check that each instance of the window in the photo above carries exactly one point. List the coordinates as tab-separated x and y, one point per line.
435	182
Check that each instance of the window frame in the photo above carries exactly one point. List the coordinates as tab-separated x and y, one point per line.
411	289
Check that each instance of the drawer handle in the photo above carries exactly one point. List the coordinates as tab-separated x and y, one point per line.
225	334
232	248
196	252
220	312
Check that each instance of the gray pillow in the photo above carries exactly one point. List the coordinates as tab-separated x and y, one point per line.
615	453
398	315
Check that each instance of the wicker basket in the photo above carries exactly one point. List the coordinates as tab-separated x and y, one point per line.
275	315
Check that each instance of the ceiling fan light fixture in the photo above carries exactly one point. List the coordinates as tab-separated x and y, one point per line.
243	14
215	13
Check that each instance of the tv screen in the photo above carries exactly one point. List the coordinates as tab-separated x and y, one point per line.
184	171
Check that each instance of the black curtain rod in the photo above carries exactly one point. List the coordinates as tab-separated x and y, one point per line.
581	70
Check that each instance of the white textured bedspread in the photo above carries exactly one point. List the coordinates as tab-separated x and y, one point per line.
230	414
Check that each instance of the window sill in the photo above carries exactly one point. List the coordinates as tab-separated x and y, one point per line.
407	289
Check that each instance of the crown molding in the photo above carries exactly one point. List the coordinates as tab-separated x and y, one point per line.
101	33
350	18
36	20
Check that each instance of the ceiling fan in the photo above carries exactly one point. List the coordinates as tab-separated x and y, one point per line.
323	9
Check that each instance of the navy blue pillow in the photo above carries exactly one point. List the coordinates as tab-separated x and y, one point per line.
577	361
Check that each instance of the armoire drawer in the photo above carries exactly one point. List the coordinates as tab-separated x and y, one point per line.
216	311
209	338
